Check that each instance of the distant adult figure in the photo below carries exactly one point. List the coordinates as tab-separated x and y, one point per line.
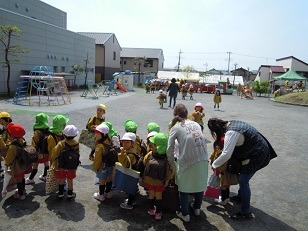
250	148
192	161
173	91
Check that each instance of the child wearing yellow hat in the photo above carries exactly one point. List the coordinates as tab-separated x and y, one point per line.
41	132
157	173
96	120
5	119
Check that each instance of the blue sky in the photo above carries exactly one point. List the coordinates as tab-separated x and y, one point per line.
255	31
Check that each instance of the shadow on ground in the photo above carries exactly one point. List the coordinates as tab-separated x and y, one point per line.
110	210
66	210
262	220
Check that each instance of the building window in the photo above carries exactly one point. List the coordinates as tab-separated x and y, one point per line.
62	69
124	62
148	63
114	55
55	69
260	73
162	65
120	62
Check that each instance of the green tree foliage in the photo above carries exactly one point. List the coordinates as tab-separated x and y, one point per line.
188	69
261	87
76	69
11	52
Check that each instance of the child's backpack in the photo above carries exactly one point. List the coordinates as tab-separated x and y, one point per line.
156	168
69	157
43	142
112	155
27	154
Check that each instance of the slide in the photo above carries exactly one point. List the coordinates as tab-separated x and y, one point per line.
120	86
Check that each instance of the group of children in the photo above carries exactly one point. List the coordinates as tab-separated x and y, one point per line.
58	149
162	97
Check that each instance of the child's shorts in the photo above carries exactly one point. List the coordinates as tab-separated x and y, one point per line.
43	160
103	174
157	188
68	174
22	175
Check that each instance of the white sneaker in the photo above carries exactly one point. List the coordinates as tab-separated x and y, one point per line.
108	195
221	202
184	218
134	202
43	178
28	181
4	193
196	211
99	197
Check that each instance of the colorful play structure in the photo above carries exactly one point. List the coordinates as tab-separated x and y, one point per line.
41	88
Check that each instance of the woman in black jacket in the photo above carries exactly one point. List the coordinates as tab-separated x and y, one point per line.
173	91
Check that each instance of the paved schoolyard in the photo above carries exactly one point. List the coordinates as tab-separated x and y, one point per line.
279	191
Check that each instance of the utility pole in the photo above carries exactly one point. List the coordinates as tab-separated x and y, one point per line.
229	62
205	67
179	63
235	64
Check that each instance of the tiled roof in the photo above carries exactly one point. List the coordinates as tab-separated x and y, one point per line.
100	38
277	69
141	52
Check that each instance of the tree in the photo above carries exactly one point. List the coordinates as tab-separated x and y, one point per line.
261	87
86	70
188	69
139	63
11	52
76	70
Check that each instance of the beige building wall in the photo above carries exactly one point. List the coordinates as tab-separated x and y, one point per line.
99	55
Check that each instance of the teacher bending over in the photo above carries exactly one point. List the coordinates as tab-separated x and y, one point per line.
250	148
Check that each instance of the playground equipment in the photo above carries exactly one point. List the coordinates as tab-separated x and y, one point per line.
124	80
41	88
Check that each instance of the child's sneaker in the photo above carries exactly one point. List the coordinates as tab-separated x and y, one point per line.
28	181
134	202
22	197
60	196
184	218
158	216
152	211
42	178
108	195
99	197
196	211
71	197
222	202
126	206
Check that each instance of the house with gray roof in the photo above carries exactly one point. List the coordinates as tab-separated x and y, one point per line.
147	60
107	55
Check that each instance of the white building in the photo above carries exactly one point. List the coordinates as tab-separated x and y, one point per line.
46	37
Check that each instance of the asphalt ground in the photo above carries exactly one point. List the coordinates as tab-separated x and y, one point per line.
279	191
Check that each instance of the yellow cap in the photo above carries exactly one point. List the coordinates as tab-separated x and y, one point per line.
4	114
102	106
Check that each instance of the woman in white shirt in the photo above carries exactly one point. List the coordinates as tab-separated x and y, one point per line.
192	161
